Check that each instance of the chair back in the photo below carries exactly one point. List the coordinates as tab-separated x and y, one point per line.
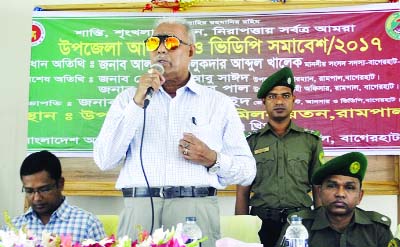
110	223
241	227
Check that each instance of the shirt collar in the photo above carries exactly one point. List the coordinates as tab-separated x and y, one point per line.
292	126
192	86
28	212
361	218
321	220
61	212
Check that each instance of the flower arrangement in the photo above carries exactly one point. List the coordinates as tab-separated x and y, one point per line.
160	238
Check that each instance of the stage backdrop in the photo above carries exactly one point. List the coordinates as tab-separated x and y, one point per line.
346	64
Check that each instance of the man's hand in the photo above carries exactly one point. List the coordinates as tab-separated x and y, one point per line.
192	148
242	200
152	78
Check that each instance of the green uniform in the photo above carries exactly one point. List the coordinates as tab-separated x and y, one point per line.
366	229
284	167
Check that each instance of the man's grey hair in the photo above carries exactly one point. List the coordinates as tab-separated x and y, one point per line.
181	21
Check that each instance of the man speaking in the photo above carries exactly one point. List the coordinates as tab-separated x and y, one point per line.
176	149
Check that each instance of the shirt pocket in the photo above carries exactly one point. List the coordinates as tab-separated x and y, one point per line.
202	122
265	166
208	134
298	165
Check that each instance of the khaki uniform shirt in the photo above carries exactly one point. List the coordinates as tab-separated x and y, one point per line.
284	166
366	229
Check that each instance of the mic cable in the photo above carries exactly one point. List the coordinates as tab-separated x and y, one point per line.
146	102
144	172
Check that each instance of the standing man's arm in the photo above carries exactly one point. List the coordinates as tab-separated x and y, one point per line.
316	200
318	160
237	164
242	199
122	121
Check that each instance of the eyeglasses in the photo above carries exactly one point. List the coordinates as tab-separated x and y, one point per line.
274	96
171	42
44	190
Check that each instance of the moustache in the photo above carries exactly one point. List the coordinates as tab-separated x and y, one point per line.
162	58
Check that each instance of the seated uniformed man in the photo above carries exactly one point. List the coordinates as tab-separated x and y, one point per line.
339	222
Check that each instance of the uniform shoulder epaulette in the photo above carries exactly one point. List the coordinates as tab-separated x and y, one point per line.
379	218
305	214
313	132
252	133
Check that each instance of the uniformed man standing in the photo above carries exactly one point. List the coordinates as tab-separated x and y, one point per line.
339	223
286	155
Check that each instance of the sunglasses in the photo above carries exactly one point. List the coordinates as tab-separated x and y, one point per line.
170	42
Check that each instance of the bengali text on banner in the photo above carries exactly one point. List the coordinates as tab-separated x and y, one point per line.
346	64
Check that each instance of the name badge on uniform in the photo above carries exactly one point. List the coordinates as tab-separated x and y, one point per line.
261	150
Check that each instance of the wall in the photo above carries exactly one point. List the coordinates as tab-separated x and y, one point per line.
14	70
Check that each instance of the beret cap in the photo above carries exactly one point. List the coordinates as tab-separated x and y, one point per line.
352	164
283	77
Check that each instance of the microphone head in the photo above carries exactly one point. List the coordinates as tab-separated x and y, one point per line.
158	67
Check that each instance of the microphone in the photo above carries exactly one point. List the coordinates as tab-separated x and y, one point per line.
150	90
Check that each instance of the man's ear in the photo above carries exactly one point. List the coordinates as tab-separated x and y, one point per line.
318	189
192	50
361	196
61	182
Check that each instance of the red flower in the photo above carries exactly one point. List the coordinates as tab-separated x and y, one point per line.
143	235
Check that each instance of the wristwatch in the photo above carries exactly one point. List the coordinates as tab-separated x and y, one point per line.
217	165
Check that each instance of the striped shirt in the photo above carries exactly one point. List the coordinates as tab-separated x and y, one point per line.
208	114
66	220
